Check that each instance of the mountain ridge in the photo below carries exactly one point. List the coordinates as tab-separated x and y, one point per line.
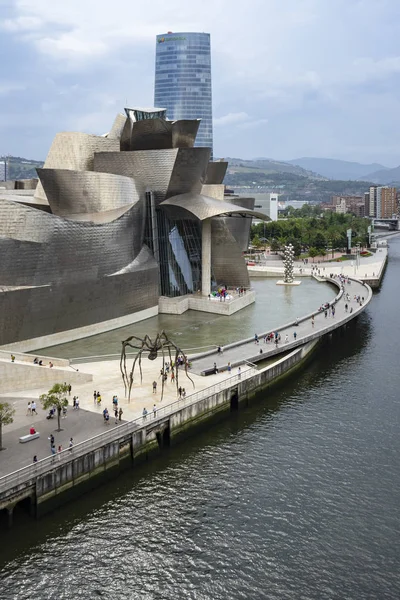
339	169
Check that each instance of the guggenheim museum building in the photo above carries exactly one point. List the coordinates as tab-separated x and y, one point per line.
116	222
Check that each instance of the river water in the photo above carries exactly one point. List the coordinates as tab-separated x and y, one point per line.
296	497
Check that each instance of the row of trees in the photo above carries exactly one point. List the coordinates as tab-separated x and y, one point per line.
321	232
56	398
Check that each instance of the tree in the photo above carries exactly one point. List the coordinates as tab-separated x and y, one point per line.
6	418
312	253
274	246
56	398
256	241
322	252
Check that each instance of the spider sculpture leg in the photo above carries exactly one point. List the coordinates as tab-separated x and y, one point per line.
126	343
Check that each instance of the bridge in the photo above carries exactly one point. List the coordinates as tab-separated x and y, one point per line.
392	223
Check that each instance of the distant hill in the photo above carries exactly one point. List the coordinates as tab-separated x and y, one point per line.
22	168
338	169
384	177
266	166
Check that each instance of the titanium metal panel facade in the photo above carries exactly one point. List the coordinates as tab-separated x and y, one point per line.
65	251
227	264
216	172
123	226
183	80
74	192
166	172
75	151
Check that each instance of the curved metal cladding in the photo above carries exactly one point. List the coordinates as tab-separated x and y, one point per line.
157	134
75	151
166	172
151	134
240	228
117	127
184	133
228	266
205	207
65	251
216	172
85	192
125	139
34	312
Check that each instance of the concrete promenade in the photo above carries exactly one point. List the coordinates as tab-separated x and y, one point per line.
292	335
83	424
370	270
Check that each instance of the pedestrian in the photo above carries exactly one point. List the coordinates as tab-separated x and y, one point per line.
98	399
326	314
286	338
154	410
74	402
116	415
229	367
120	412
183	393
172	375
53	449
51	438
239	373
94	396
154	387
69	389
180	391
105	413
346	308
144	414
71	444
312	321
29	411
294	335
77	403
33	407
35	459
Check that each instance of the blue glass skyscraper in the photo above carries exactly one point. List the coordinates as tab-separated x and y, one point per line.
183	80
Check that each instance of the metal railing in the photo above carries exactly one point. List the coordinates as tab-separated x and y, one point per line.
26	475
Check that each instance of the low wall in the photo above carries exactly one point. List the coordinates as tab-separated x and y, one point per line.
177	306
29	358
15	377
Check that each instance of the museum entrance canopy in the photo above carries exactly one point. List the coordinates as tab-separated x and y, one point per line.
204	207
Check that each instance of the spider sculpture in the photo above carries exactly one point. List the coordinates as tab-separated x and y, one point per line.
161	344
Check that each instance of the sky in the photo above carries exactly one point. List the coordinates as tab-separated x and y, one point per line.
291	78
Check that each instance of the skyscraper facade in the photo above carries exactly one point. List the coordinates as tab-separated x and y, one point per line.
183	80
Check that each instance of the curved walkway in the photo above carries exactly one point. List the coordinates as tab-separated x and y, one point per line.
248	350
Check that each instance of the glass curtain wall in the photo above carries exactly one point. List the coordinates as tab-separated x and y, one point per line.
183	80
179	255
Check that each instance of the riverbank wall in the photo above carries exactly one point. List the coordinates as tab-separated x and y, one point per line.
43	486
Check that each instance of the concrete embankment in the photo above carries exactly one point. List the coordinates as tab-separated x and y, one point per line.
42	486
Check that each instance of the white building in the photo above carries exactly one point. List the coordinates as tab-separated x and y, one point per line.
268	204
2	170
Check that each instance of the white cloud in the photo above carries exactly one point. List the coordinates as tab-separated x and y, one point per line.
22	23
231	118
308	71
9	87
